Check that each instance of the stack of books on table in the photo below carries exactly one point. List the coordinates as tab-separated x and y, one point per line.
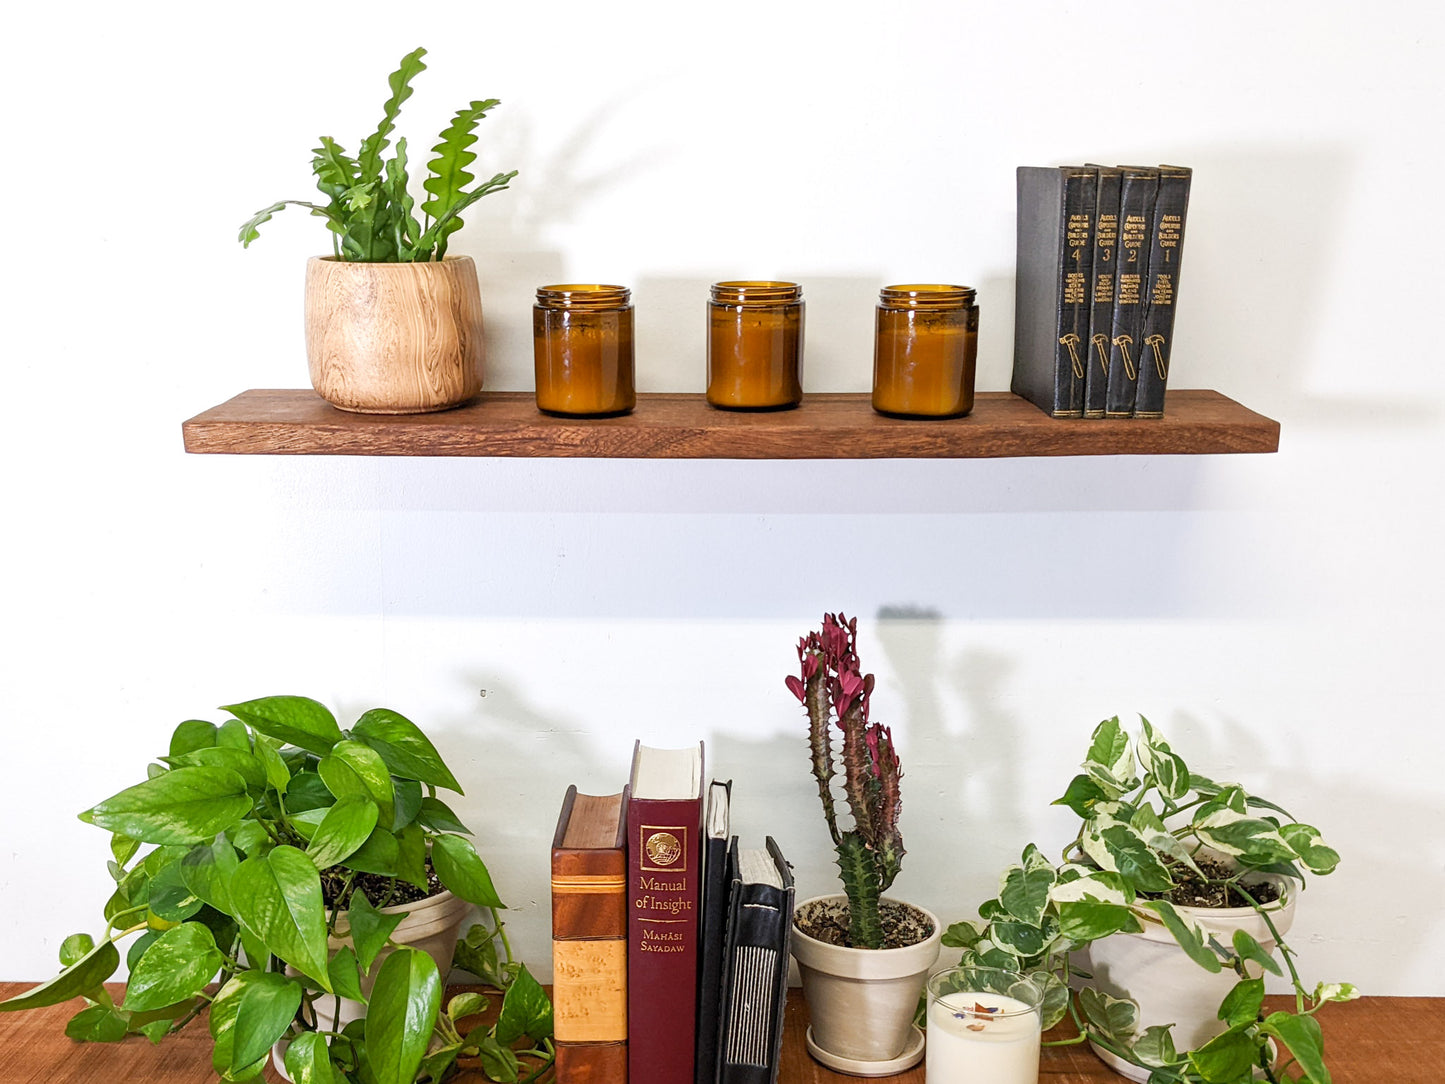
1098	279
669	941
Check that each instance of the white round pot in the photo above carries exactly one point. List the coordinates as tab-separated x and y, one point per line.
1170	988
433	925
861	1002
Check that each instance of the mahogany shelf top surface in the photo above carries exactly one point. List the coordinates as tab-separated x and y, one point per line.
1375	1039
683	426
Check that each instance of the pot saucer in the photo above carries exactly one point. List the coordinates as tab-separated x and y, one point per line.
911	1056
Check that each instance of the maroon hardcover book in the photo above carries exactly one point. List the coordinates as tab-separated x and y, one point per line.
664	880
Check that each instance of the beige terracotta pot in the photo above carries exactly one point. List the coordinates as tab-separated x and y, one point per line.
394	338
1170	988
861	1002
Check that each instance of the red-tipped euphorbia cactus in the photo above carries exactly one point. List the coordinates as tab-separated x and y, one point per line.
832	686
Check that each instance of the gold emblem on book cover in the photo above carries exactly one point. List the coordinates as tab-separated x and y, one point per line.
663	849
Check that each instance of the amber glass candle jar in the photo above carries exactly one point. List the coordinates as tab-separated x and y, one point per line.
582	342
925	351
755	345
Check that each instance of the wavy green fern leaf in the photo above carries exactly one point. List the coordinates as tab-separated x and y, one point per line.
249	231
368	160
405	228
448	174
435	236
335	172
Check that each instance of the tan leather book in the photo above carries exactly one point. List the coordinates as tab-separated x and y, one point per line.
589	939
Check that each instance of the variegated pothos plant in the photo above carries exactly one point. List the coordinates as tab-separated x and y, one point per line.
1145	817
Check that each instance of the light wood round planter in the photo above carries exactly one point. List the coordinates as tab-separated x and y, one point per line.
394	338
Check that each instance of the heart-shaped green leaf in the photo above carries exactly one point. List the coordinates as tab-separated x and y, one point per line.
1305	841
181	806
308	1062
207	870
344	827
298	720
248	1016
525	1011
1115	1018
278	898
84	975
1247	948
278	776
1225	1058
345	975
356	769
401	1015
1025	892
176	967
378	854
190	735
1155	1046
461	869
96	1024
223	1030
408	803
407	751
241	761
1191	937
1302	1035
75	948
1242	1004
369	928
411	856
1086	920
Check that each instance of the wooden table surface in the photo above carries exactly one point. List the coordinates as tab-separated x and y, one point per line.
1376	1040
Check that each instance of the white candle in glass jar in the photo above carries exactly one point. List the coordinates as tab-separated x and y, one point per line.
969	1047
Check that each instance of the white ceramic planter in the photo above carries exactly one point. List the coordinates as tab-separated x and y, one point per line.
861	1001
433	925
1170	988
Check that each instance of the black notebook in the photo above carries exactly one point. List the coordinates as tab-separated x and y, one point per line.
715	885
755	965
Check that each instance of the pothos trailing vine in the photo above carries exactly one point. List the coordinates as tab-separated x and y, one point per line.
1147	823
219	858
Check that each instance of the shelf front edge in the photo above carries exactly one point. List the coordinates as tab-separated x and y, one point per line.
683	426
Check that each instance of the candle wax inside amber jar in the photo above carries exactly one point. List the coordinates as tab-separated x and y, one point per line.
584	360
754	356
923	362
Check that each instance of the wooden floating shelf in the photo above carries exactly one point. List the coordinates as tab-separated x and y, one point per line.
683	426
1375	1039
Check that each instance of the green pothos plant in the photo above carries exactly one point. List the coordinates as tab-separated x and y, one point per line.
369	208
1148	828
235	860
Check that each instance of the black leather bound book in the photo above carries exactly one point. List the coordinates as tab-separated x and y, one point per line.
755	965
1101	291
1051	304
715	889
1166	247
1126	337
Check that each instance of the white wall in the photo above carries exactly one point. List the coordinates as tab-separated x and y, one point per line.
1276	615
